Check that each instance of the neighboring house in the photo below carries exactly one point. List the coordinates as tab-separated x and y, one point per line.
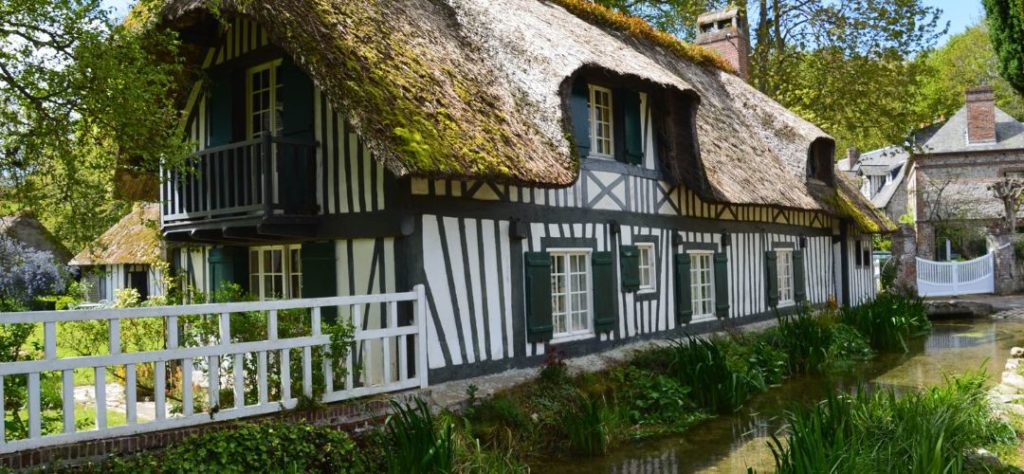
548	180
882	177
23	227
954	167
125	256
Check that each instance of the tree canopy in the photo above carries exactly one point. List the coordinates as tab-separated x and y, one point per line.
847	66
80	96
1006	26
966	60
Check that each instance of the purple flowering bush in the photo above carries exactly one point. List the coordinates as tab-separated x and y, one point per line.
26	273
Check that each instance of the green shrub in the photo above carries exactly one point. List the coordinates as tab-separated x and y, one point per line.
917	432
890	321
648	397
758	358
250	447
417	442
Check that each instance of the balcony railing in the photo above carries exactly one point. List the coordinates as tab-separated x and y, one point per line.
260	177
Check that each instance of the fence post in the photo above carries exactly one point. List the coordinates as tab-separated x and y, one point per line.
422	338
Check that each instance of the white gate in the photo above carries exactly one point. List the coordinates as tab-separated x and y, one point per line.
955	278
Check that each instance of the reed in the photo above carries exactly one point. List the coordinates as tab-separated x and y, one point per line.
417	442
890	321
928	431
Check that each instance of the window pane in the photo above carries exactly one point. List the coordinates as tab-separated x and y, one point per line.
254	262
277	261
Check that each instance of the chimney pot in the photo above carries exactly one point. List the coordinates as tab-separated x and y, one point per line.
726	33
981	115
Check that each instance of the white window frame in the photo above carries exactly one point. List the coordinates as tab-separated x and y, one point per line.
288	271
274	87
587	328
592	107
695	285
784	273
650	270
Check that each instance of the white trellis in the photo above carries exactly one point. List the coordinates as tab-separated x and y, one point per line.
400	346
955	278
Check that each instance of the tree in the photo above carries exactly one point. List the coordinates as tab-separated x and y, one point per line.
81	95
678	17
966	60
1010	192
847	66
1006	27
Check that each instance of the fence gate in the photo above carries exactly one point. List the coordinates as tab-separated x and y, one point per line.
955	278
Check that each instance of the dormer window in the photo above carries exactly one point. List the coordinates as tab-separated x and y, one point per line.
820	161
610	117
601	122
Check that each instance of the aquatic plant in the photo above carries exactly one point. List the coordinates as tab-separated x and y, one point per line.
883	431
890	321
416	443
586	427
702	365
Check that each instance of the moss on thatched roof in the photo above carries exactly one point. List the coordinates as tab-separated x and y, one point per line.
473	89
135	239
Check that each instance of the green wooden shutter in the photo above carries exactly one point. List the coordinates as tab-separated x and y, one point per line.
771	280
799	277
294	162
629	263
605	310
228	265
721	285
297	94
684	299
239	106
218	103
320	275
538	297
631	125
579	113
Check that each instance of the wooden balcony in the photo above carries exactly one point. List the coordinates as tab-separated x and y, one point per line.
243	185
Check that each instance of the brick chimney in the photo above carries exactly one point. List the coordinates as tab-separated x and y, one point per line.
726	33
981	115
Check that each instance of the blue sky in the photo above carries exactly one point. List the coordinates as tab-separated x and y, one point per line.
959	13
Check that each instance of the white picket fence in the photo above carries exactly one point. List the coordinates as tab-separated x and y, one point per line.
383	344
955	278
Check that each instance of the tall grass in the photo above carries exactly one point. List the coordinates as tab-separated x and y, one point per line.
586	426
918	432
890	321
702	364
418	443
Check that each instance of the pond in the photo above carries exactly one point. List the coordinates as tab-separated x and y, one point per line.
729	444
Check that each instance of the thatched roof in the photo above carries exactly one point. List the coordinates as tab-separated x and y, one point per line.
23	227
135	239
475	89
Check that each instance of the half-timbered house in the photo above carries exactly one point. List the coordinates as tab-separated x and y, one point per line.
550	177
129	254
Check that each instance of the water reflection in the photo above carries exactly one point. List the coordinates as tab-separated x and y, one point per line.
729	444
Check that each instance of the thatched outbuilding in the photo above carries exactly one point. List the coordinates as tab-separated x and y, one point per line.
127	255
23	227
